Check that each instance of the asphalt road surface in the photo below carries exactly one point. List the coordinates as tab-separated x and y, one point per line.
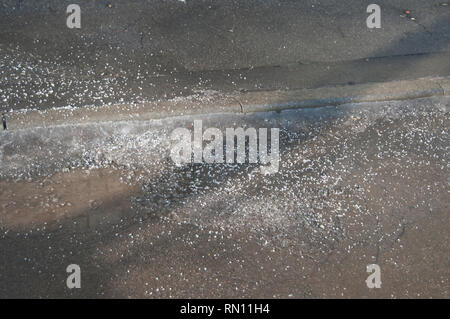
144	50
357	184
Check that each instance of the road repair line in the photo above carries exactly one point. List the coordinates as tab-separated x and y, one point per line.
242	102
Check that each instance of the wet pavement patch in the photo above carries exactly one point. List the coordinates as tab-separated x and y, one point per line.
358	184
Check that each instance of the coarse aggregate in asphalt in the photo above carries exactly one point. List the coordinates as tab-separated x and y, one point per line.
139	51
357	184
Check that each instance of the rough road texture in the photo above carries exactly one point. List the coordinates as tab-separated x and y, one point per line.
359	184
135	51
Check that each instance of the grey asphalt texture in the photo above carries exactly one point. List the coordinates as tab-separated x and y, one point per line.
358	184
132	52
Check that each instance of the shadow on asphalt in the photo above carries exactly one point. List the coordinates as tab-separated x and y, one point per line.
21	279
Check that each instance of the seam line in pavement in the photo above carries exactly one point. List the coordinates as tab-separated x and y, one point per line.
239	102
